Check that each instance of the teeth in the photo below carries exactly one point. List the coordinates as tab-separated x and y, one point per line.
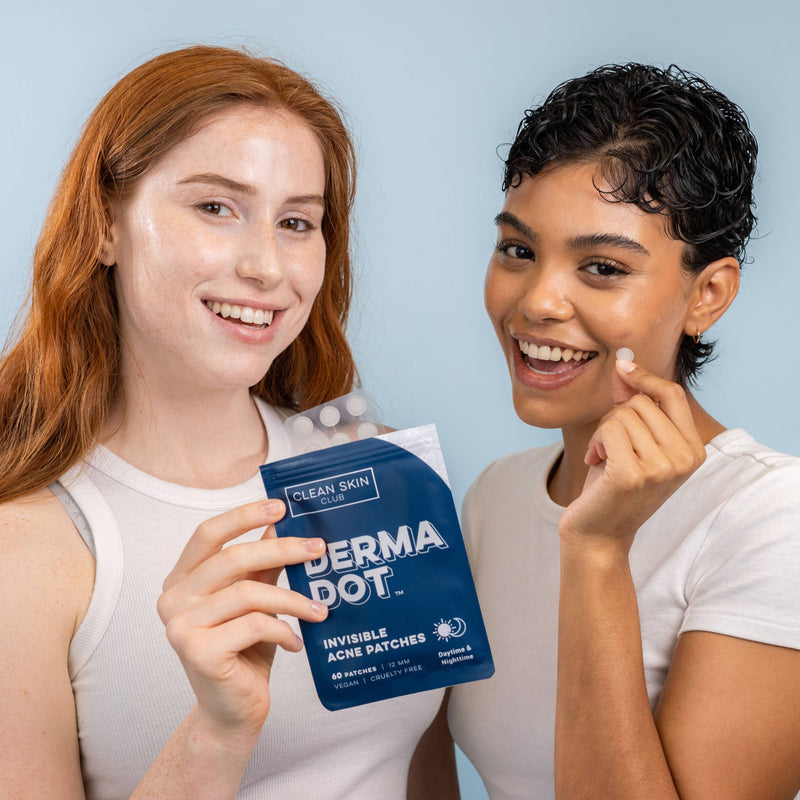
250	316
546	353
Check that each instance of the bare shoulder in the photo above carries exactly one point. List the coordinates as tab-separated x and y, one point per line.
46	580
46	566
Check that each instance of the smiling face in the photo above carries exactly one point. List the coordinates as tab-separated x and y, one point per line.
574	277
219	251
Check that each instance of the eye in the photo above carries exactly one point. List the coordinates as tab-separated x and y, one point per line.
515	250
297	224
216	209
604	269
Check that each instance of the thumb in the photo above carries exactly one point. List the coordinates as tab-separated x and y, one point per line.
621	390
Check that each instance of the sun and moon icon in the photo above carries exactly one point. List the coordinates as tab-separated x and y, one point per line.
446	629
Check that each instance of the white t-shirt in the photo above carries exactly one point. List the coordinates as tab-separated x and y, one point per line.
131	692
722	555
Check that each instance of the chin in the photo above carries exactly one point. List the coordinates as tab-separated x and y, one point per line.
530	414
234	377
553	414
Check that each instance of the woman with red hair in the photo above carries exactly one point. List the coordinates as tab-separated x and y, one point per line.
190	286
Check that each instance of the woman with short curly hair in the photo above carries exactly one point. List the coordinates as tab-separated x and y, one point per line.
639	579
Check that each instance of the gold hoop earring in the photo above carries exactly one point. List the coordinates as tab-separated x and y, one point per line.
696	337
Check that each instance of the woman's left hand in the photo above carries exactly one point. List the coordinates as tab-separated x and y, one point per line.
641	452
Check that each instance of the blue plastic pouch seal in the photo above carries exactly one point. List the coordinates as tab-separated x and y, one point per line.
403	612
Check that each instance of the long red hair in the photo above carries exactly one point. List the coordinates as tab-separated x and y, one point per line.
61	376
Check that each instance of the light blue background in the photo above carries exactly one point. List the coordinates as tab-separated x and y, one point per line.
431	90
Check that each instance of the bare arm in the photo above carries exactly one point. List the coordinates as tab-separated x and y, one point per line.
727	723
433	767
46	579
729	718
219	607
606	741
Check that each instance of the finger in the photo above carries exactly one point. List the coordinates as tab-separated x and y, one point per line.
238	561
611	443
211	535
598	450
663	450
620	390
207	648
653	460
671	397
686	452
246	596
595	452
255	629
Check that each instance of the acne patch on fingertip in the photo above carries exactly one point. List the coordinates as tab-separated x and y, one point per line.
625	354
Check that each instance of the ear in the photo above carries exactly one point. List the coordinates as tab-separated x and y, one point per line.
108	250
713	290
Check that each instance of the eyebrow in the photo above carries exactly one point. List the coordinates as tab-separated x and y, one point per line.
219	180
608	239
513	221
246	188
582	242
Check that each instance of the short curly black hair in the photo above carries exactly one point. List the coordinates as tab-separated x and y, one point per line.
668	142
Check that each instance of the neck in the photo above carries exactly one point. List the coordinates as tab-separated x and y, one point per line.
566	480
207	440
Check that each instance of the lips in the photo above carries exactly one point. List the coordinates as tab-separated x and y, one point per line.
549	366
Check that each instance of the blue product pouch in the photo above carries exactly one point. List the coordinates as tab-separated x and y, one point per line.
403	612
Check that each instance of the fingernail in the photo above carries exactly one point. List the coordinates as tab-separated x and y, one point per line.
272	507
314	545
625	366
625	354
318	608
299	642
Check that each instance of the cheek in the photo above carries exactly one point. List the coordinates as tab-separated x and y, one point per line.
498	296
308	275
155	258
652	330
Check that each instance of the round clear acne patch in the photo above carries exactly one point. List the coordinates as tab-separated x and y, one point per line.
625	353
329	416
356	405
302	426
366	430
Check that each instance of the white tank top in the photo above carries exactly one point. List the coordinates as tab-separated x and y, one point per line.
131	692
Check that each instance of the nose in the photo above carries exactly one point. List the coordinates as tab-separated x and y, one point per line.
545	296
260	258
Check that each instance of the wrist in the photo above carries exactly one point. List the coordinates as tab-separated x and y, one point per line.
594	554
214	741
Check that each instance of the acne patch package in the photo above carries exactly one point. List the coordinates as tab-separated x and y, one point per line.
403	612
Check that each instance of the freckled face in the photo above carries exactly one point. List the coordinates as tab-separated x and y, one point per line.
219	254
574	277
